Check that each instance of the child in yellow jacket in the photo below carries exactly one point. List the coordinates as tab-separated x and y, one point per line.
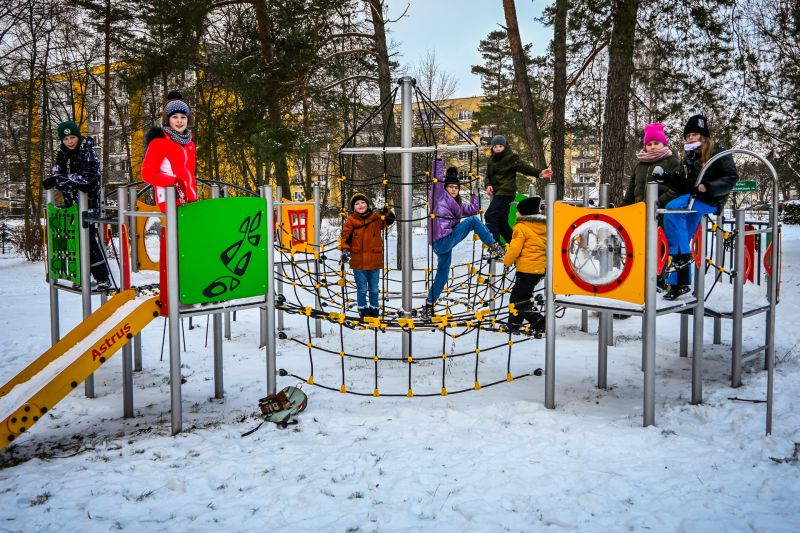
528	251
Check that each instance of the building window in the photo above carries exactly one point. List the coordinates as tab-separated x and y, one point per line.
94	88
463	156
465	114
94	116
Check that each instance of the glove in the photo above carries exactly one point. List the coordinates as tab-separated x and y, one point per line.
345	256
49	183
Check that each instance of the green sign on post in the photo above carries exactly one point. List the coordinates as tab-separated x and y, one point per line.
64	243
222	250
745	186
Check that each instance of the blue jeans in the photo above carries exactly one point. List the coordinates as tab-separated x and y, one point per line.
367	280
443	248
679	228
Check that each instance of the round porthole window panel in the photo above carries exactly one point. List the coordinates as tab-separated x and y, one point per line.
597	253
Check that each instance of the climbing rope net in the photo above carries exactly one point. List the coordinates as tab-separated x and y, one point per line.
472	314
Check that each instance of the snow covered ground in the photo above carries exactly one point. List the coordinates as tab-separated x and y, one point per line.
489	460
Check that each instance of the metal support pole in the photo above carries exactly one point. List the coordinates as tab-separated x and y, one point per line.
550	313
55	329
318	246
174	312
127	349
738	299
406	207
683	349
219	391
282	272
650	305
584	312
133	232
772	292
86	284
605	267
697	324
269	314
719	258
603	326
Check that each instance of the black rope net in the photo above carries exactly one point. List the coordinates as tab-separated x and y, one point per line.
472	314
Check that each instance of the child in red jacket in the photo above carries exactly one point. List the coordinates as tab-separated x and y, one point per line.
170	156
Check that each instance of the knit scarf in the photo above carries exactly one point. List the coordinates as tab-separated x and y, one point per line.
651	157
180	138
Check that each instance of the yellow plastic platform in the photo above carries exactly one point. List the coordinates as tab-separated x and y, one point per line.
59	370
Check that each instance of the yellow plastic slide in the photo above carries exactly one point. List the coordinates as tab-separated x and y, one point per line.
59	370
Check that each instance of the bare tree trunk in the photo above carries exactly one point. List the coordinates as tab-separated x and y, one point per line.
106	91
559	94
529	122
385	88
274	114
620	69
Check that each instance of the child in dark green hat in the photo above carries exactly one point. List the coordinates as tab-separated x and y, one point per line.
77	169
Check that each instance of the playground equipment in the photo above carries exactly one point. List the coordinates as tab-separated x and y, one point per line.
619	251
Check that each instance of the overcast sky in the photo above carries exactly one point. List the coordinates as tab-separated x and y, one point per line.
454	28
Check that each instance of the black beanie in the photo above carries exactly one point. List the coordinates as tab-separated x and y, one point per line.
697	124
529	206
358	196
451	176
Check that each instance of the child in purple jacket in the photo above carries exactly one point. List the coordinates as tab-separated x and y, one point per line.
450	223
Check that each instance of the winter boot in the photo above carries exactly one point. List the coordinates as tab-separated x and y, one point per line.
497	251
362	312
426	311
103	285
678	262
373	312
674	291
536	321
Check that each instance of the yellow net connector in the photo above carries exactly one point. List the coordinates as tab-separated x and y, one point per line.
441	320
480	315
428	173
444	356
294	283
386	182
714	227
444	391
375	358
510	342
477	351
317	286
512	308
509	377
342	213
410	393
410	360
337	317
373	321
307	311
433	215
475	237
406	323
481	280
309	345
310	380
477	385
473	270
341	354
340	282
316	255
343	388
376	393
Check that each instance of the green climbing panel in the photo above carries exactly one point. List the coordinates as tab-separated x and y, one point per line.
512	213
222	250
64	243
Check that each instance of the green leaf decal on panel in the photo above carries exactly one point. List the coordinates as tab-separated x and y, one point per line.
222	250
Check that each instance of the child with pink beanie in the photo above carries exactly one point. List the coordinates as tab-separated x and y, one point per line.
654	154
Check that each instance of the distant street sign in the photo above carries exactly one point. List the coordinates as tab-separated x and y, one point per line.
744	186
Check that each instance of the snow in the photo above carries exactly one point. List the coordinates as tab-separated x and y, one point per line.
488	460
